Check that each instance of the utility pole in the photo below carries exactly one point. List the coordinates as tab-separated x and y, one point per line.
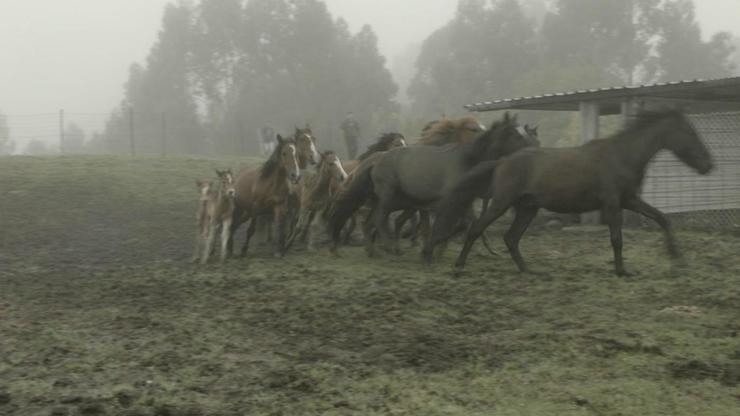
61	131
131	130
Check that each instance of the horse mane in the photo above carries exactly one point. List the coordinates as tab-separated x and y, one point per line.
440	132
644	119
481	145
273	162
323	158
380	145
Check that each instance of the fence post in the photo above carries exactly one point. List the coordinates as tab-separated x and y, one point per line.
61	131
131	130
164	133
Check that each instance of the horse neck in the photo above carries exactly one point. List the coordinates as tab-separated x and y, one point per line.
640	147
220	199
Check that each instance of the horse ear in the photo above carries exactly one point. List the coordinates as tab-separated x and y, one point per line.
218	172
308	126
280	139
297	130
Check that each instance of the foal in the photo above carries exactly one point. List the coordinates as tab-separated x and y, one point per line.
215	210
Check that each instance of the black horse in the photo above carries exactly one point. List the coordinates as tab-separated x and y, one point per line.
602	175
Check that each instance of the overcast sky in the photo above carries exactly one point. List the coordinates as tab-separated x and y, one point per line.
75	54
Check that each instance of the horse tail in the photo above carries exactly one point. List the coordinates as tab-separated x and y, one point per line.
452	206
352	196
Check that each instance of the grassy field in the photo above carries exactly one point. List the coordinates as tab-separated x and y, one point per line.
101	314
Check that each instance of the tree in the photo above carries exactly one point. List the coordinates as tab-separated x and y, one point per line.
7	146
162	88
682	54
36	147
74	139
475	56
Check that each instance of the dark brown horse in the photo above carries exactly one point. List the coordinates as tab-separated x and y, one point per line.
601	175
384	143
267	189
417	177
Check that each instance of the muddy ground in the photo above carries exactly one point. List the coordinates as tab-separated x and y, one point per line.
101	314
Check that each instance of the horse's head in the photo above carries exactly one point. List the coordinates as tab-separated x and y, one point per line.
226	180
204	187
287	154
384	143
391	140
306	147
507	136
331	167
682	139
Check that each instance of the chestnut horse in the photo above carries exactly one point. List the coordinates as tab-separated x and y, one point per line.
267	189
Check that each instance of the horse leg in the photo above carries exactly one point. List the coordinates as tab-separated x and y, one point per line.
250	232
382	213
496	210
639	206
209	242
349	229
401	221
280	214
613	217
524	217
368	232
225	233
199	237
236	221
308	235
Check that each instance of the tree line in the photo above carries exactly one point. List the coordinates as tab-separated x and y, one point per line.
222	69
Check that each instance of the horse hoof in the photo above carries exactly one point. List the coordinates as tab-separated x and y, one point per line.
458	272
625	274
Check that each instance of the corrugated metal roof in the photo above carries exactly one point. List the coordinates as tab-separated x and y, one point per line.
706	95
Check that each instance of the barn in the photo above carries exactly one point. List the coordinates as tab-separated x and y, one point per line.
714	108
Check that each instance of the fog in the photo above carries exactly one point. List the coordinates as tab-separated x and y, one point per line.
75	55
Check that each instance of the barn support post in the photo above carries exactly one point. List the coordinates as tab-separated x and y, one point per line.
589	131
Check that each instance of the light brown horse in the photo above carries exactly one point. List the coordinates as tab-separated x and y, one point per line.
215	209
307	155
451	130
601	175
316	192
305	143
267	189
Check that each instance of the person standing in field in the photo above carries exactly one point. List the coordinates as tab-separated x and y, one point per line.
351	129
268	138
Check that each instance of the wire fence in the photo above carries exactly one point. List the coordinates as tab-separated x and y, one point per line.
701	200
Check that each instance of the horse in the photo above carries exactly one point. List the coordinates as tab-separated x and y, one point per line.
417	177
604	174
316	192
267	189
216	209
450	130
435	133
384	143
305	143
431	130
